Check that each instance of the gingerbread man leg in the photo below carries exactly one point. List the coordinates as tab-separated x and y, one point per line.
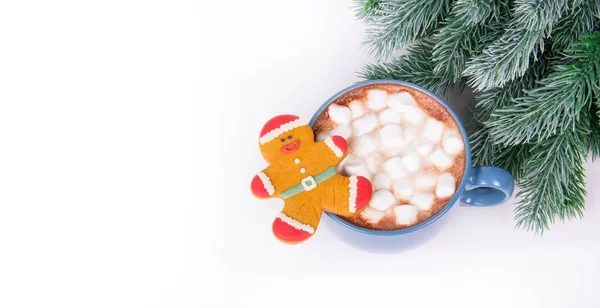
346	196
298	220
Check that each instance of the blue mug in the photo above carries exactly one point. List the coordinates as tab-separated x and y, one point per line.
480	186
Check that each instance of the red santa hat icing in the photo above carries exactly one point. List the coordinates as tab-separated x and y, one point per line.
279	125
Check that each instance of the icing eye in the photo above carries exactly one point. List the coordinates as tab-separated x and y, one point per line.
290	137
282	139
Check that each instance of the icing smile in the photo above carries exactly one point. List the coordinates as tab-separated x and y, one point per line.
291	148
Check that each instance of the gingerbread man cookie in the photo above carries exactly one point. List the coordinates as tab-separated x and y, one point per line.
302	173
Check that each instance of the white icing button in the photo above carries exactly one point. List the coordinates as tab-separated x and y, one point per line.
297	160
302	170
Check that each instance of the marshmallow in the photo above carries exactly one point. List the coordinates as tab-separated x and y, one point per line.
401	101
414	115
423	200
321	136
423	148
403	188
371	215
389	116
433	130
363	145
364	124
394	168
372	162
446	186
382	181
377	99
441	159
340	167
426	163
391	136
340	114
409	134
412	162
382	200
392	152
406	214
425	181
453	143
356	167
342	130
357	108
376	139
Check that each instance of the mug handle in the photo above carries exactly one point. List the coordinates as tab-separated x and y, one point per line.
487	186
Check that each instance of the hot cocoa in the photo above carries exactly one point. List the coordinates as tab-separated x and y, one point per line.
406	143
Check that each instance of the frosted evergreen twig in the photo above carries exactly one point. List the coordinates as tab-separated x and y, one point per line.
556	104
415	67
508	57
390	24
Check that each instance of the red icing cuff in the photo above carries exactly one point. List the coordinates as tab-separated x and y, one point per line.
364	192
258	188
341	143
287	233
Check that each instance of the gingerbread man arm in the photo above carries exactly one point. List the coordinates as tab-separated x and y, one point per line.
262	186
337	148
346	196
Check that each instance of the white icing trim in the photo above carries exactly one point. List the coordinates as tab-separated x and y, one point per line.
266	183
280	130
336	150
353	186
296	224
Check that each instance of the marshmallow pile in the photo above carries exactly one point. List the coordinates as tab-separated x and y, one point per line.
403	151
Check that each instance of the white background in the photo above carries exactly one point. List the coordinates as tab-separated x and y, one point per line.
128	139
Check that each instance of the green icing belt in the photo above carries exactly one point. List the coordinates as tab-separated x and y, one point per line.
309	183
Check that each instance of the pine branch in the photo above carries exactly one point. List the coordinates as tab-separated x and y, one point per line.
415	67
593	139
475	12
555	105
393	23
366	9
497	98
485	152
472	24
513	158
582	18
553	184
508	57
483	148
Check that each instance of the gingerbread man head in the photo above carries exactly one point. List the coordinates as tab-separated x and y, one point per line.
302	172
283	136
